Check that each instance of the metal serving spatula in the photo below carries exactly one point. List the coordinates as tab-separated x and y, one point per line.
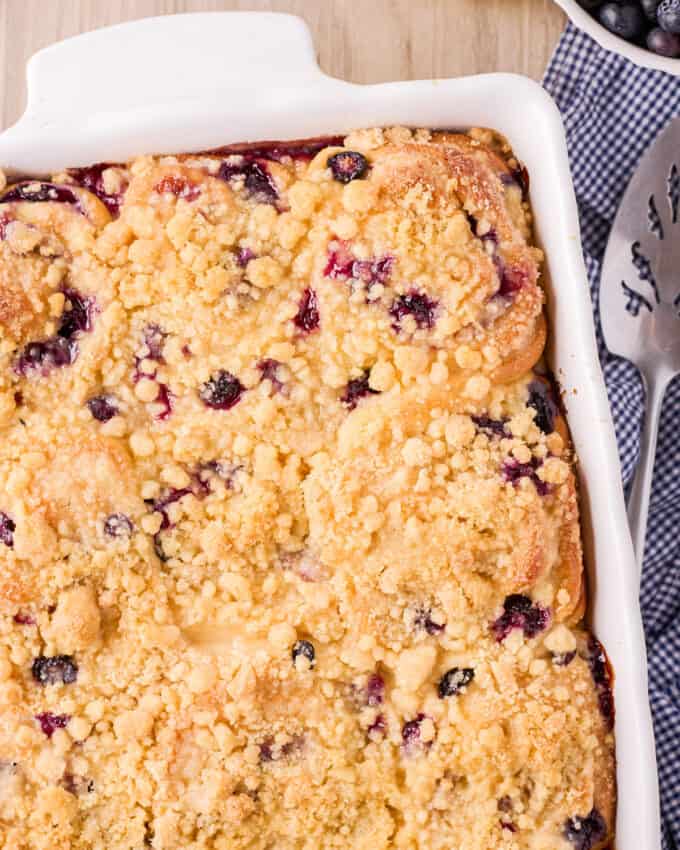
640	297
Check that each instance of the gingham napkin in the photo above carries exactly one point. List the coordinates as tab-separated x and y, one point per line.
613	111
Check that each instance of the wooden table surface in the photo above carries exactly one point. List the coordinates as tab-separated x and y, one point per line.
359	40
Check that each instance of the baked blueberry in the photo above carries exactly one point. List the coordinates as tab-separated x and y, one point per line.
118	525
542	401
32	191
423	620
22	618
511	279
269	369
602	677
357	389
102	407
222	391
7	529
454	680
520	612
378	728
410	732
49	723
305	649
586	832
375	689
307	317
244	256
347	166
77	317
491	427
92	179
513	471
153	337
417	305
563	659
256	180
164	402
54	670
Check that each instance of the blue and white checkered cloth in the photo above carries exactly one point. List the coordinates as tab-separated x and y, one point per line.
613	111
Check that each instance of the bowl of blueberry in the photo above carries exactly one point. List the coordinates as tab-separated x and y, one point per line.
645	31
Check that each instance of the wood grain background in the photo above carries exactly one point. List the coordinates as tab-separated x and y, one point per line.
362	41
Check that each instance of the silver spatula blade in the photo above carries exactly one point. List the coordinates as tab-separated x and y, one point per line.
640	297
640	288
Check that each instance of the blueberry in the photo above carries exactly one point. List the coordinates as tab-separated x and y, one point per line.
54	670
102	407
222	391
304	648
269	371
91	178
257	182
543	402
415	304
62	349
77	318
423	620
43	356
411	736
511	279
668	15
378	728
513	471
563	659
410	732
454	680
7	529
491	427
347	166
154	339
600	671
586	833
356	389
375	689
118	525
49	722
244	256
307	318
164	400
21	618
33	191
626	21
650	8
343	265
519	612
664	43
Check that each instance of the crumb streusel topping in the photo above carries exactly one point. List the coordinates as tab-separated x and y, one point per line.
289	541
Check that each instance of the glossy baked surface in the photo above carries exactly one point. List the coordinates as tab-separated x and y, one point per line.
289	541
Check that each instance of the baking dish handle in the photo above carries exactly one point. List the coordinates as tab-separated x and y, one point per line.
142	79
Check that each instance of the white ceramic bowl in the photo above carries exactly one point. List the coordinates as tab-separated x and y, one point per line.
192	82
638	55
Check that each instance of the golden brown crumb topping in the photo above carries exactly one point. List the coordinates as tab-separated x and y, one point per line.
289	539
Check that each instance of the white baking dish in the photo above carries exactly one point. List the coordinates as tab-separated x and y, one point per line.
606	39
198	81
